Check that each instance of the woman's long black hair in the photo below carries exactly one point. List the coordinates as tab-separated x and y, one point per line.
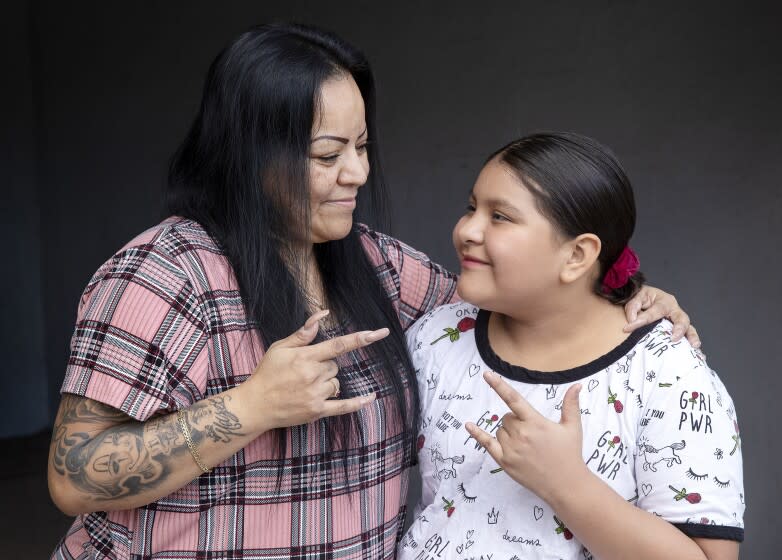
242	173
581	187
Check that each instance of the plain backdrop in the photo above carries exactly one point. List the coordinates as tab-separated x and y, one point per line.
97	95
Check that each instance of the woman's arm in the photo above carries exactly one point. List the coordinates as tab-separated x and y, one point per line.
651	304
101	459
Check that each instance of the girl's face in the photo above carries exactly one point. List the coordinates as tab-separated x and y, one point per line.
338	159
510	254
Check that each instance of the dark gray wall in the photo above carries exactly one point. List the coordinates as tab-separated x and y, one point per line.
687	94
21	329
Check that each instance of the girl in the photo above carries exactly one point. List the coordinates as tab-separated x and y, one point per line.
585	438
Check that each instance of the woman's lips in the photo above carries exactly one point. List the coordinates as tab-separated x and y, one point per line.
343	203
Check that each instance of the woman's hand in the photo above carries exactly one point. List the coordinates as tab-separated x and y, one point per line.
651	304
296	382
541	455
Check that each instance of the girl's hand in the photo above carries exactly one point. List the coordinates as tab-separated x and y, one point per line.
296	383
541	455
651	304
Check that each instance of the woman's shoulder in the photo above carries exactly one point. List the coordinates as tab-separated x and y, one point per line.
173	235
175	250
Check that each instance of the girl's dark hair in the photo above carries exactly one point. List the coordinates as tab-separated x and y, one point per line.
580	186
242	173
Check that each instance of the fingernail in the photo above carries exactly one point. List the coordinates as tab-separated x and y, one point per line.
489	375
376	335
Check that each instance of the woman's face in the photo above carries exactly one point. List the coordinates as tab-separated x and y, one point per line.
338	159
510	254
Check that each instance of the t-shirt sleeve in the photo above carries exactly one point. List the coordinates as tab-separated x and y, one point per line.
139	341
415	284
688	461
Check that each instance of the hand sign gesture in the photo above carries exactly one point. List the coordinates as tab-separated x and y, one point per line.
296	383
539	454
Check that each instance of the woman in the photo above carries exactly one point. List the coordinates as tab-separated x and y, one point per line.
192	420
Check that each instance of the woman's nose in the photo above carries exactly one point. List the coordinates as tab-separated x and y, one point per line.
355	169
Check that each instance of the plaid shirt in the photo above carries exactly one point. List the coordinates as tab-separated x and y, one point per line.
160	326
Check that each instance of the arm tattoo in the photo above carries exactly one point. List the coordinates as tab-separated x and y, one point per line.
130	457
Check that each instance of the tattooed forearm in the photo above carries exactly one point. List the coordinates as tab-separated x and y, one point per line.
131	457
224	424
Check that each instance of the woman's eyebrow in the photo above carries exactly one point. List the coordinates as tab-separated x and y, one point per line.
337	138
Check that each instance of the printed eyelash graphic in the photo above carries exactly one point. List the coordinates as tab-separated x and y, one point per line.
694	476
463	492
721	484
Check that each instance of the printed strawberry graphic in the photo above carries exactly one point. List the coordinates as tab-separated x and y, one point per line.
694	397
562	530
453	334
449	507
420	442
614	441
618	406
692	497
492	420
736	438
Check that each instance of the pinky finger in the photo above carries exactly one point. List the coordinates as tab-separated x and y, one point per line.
337	407
491	444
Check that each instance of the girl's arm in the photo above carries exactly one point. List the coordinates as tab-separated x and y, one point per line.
545	457
621	530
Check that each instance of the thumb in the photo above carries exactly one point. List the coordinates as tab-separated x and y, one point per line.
571	410
304	335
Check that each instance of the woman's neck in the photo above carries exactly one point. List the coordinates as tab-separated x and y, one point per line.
565	335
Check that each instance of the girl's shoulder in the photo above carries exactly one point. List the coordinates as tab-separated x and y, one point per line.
454	319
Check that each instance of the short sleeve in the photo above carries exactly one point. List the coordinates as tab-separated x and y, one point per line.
139	339
415	284
688	462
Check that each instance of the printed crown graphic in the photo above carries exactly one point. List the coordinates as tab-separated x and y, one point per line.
493	515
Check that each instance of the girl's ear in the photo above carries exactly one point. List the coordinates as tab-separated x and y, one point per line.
582	254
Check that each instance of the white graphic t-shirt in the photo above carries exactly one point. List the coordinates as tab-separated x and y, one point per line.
659	427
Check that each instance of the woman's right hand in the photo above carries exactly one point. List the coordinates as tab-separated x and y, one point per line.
295	382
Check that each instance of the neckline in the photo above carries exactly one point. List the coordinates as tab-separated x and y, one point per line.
520	373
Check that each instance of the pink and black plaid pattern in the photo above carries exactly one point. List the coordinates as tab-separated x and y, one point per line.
160	326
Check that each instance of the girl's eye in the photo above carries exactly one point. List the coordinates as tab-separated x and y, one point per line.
362	148
499	217
328	159
470	208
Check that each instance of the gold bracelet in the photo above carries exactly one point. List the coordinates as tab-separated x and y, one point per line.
180	414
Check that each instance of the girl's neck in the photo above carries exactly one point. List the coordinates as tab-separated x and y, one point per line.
568	334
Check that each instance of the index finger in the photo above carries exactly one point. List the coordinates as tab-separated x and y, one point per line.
330	349
518	404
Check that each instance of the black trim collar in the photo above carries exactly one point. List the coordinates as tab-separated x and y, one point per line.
519	373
